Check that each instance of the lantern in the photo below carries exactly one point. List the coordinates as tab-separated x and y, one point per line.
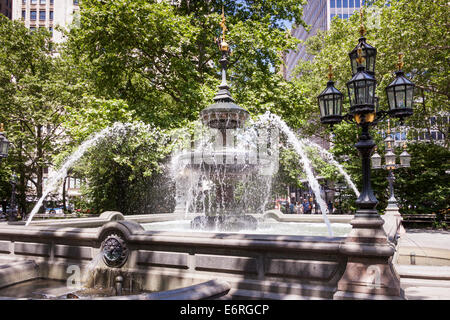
330	103
400	94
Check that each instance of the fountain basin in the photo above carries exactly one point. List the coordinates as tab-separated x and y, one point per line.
255	265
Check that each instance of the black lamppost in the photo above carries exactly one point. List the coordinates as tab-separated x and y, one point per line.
369	253
4	144
391	165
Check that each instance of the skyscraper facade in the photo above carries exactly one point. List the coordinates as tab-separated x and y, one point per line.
45	14
318	14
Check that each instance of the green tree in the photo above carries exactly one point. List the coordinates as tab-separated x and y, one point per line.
124	171
415	28
162	60
425	186
29	102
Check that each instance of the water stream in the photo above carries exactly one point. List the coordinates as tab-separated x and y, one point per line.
328	156
190	182
54	180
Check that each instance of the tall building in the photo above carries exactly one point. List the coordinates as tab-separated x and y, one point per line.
318	14
6	8
45	14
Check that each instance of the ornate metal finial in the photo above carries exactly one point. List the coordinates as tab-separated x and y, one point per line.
223	45
360	60
400	61
362	29
223	94
389	127
330	72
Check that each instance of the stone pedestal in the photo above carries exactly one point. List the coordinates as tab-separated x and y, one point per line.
393	222
369	273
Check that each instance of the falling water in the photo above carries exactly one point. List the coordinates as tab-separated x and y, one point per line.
299	147
55	179
327	155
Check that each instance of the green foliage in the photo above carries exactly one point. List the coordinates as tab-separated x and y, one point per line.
161	59
405	26
425	186
414	28
29	93
121	170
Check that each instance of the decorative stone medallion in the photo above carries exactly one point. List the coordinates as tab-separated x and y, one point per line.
114	251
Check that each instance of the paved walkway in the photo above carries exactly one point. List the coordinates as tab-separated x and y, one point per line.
438	239
429	279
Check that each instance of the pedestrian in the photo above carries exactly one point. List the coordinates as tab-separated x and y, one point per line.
306	207
330	206
299	208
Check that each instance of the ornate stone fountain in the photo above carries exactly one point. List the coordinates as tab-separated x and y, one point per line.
222	167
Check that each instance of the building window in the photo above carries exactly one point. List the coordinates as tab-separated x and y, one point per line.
433	135
51	15
345	3
51	30
32	29
33	15
332	3
24	1
356	3
51	2
41	15
352	4
345	16
75	2
339	4
42	1
33	1
24	14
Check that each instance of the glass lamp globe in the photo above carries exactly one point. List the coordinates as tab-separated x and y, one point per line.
330	104
376	161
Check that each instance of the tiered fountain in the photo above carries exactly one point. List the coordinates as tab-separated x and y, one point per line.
222	167
120	251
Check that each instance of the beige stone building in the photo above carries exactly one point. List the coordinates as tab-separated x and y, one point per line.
45	14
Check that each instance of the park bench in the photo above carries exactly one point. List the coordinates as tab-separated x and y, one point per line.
424	219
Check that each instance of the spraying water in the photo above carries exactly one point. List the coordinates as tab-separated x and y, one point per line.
299	147
327	155
55	179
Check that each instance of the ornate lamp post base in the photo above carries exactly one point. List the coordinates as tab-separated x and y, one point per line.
369	273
